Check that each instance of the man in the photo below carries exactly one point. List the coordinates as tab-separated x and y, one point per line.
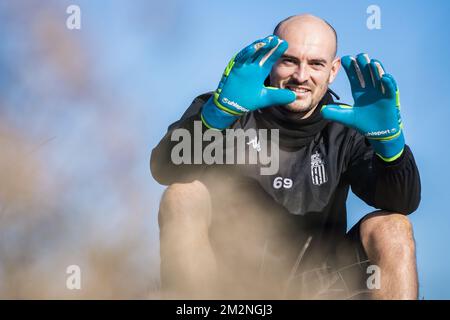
229	231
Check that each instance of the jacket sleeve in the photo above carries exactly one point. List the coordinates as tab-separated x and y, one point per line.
162	167
391	186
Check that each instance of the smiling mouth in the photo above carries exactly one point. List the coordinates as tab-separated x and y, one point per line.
299	91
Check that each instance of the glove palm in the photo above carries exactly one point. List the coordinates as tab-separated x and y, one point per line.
242	88
376	111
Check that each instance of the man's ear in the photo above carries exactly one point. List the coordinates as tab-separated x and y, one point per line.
335	66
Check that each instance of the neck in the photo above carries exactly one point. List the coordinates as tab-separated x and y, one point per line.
309	113
293	115
296	128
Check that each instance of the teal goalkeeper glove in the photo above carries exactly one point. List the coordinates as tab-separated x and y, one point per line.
242	89
376	112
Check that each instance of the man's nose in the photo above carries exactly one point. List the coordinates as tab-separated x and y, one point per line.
301	74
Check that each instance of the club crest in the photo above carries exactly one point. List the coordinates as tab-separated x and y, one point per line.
318	172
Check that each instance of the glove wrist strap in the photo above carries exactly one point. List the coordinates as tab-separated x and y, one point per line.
215	118
389	150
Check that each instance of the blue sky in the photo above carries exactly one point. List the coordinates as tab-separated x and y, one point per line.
154	58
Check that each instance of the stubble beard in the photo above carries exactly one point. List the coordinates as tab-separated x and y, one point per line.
300	106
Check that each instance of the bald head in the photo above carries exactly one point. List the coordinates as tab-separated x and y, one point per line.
305	23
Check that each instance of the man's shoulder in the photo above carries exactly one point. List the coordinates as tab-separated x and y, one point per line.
202	98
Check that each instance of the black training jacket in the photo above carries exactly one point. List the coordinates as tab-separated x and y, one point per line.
320	159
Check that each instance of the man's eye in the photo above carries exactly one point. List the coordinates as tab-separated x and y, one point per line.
287	60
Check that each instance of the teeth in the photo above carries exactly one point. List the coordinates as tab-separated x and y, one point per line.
301	90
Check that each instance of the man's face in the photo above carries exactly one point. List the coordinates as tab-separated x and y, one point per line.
308	66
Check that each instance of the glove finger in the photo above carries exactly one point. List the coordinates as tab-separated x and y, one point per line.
353	73
340	113
393	94
390	86
277	96
259	55
377	71
393	80
243	55
247	53
273	55
363	61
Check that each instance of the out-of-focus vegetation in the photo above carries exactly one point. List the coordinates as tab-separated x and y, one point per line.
73	165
